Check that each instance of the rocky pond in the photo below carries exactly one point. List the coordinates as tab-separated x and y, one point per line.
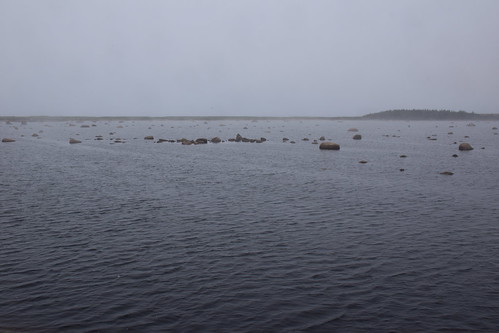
247	225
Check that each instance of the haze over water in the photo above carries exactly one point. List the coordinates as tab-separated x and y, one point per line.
249	237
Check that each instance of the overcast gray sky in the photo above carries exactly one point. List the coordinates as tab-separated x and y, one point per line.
247	57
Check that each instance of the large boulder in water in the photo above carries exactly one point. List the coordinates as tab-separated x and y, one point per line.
465	146
216	140
329	146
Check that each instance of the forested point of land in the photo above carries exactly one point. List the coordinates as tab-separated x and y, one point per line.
416	114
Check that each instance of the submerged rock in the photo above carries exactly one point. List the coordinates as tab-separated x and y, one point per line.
465	146
329	146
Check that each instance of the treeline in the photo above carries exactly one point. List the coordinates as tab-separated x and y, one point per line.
425	114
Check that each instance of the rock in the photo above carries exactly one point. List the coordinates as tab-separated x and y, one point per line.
239	138
455	155
465	146
72	141
285	139
216	140
8	140
262	139
149	137
353	130
403	156
322	138
201	141
447	173
329	146
304	139
85	126
162	140
357	137
315	142
34	134
362	162
402	169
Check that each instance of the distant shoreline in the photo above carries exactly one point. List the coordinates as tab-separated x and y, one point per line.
383	115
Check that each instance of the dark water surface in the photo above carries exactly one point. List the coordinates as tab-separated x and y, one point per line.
247	237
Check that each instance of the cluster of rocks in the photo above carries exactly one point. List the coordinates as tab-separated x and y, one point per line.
200	141
314	142
240	138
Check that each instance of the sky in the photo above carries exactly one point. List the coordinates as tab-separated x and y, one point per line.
247	57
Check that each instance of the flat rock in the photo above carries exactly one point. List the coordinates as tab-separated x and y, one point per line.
329	146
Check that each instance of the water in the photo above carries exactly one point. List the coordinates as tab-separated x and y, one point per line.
246	237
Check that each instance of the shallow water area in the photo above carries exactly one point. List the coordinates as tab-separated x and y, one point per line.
130	234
